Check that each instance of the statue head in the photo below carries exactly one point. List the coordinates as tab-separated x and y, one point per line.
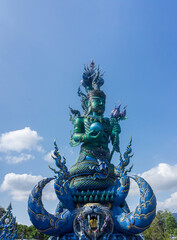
96	102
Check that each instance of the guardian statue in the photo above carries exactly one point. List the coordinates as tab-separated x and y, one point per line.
92	194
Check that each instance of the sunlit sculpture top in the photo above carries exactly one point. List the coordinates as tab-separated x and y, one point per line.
92	194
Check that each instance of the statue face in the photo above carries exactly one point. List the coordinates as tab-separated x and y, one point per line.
97	105
97	221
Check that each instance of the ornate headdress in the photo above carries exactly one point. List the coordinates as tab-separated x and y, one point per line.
92	80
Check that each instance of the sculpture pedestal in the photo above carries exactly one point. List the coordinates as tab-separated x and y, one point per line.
117	236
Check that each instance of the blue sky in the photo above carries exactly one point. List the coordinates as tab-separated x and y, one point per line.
43	47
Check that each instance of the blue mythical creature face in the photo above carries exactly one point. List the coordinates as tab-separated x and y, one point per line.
93	220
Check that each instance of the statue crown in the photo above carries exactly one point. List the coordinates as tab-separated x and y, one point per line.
92	78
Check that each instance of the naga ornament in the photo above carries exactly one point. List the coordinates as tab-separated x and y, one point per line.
92	193
7	225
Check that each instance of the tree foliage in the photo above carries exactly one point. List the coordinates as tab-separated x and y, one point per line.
171	223
30	232
163	226
2	211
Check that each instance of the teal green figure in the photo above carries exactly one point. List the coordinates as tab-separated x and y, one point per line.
92	129
94	132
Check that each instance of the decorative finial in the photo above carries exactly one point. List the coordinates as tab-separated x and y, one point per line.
117	114
9	208
92	64
92	78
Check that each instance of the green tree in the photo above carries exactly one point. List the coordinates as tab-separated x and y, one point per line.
175	232
2	211
149	234
30	232
170	223
163	226
157	230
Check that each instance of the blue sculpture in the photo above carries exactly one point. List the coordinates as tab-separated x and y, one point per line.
92	194
7	225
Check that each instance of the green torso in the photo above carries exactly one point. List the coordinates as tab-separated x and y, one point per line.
97	148
106	131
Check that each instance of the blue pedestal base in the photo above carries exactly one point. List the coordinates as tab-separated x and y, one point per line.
117	236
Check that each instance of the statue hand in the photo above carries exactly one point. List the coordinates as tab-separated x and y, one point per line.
91	137
116	129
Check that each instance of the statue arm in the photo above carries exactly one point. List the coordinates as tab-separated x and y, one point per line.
116	130
80	134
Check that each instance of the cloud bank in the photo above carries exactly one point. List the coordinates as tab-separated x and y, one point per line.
17	159
20	140
48	158
169	203
20	185
162	179
16	145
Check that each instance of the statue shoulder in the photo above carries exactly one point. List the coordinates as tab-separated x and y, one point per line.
79	120
106	119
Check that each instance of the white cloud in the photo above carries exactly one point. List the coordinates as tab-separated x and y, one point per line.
20	186
20	158
19	140
69	150
169	203
48	157
162	178
134	190
49	192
